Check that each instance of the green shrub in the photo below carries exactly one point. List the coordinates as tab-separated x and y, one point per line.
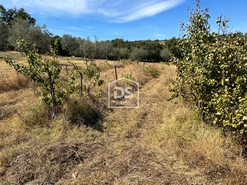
213	71
82	112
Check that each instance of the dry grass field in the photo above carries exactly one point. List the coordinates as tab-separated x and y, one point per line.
161	142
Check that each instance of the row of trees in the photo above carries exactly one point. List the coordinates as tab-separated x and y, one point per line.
16	23
114	50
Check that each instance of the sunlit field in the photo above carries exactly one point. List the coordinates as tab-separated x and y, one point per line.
161	142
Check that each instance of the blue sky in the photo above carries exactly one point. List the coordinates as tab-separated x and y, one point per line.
126	19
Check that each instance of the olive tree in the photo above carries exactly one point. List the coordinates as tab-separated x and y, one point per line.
33	34
139	54
70	44
105	48
3	37
166	54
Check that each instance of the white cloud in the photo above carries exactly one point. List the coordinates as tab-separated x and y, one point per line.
115	10
51	7
68	7
148	9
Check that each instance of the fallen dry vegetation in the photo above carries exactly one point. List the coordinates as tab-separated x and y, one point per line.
161	142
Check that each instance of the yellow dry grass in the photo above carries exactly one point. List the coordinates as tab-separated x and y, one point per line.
161	142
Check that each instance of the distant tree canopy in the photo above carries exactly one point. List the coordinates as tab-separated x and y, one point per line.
30	33
172	46
3	37
117	49
147	50
8	16
16	23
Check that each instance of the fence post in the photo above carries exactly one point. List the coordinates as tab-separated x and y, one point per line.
81	85
116	72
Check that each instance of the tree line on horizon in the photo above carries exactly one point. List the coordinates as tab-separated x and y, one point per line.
17	23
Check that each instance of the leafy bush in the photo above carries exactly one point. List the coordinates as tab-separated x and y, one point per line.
213	71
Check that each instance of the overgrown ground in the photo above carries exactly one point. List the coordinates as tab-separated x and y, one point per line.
161	142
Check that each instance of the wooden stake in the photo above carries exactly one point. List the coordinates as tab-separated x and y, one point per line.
81	85
116	72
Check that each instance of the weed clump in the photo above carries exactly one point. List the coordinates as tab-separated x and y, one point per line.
151	71
82	112
16	81
37	114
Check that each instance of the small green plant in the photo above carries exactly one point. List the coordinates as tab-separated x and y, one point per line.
126	61
127	76
89	77
151	71
47	72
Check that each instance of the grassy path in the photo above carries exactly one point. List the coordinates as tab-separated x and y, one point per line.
159	143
